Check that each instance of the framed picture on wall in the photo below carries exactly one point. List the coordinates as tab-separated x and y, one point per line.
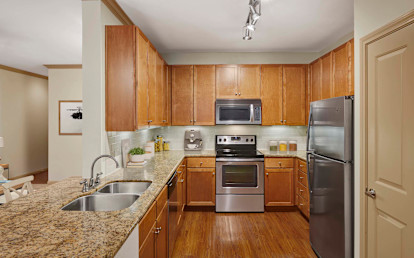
70	117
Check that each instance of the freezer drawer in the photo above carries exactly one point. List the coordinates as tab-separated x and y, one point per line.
331	206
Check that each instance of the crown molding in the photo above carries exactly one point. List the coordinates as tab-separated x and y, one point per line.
63	66
11	69
114	7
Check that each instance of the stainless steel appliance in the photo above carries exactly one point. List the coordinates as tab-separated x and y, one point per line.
238	112
240	174
172	212
193	140
331	174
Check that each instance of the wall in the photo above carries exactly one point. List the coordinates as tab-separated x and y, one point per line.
23	122
65	151
175	134
369	16
95	15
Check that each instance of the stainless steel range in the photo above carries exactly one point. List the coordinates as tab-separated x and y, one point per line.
240	174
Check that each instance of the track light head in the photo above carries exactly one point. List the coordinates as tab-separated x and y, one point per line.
247	34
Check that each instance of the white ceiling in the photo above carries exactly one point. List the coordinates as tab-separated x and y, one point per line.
37	32
216	25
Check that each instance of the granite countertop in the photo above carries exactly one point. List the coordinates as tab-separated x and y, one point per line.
292	154
35	225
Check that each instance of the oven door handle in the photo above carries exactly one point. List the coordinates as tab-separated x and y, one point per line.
239	159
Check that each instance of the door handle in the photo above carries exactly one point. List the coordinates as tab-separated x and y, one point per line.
370	193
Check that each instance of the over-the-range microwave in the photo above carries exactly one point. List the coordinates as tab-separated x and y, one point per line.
238	112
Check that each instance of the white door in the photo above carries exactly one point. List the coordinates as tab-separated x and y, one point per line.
390	146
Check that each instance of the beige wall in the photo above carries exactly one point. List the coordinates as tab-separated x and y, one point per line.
369	16
23	122
95	15
65	151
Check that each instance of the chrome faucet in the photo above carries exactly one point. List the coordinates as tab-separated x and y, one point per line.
94	182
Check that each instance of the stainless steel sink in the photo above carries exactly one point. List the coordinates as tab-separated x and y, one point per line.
101	202
125	187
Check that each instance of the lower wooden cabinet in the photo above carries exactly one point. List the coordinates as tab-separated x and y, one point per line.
201	182
279	182
302	191
153	229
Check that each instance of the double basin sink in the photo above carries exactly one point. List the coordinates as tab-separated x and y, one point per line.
112	197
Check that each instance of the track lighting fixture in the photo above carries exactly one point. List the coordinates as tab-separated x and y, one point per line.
254	15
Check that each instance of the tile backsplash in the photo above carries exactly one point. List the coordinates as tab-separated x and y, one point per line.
175	134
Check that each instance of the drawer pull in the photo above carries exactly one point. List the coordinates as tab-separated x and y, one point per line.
201	163
301	177
301	204
301	190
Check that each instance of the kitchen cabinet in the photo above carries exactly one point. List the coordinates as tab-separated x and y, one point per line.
201	182
315	80
272	94
167	95
147	233
135	87
248	84
182	95
226	81
204	94
302	191
326	76
294	94
120	78
342	70
279	182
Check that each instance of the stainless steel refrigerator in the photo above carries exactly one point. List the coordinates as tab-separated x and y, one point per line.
330	144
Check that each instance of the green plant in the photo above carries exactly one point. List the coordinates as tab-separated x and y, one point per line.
137	151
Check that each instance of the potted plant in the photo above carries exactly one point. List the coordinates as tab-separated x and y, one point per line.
136	155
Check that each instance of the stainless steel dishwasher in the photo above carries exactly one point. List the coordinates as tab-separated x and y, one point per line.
172	212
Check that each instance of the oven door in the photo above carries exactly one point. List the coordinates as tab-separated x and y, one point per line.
239	176
234	114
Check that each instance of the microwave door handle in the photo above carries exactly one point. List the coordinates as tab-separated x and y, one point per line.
251	113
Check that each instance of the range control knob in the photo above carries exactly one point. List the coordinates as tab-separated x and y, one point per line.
247	140
251	139
220	140
225	139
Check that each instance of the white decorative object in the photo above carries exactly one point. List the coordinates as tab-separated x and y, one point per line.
70	117
11	194
136	158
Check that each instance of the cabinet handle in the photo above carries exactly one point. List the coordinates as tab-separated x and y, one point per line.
267	174
280	163
214	173
239	93
301	166
281	121
301	177
182	181
183	166
300	190
284	121
179	172
195	121
235	94
301	204
201	163
159	229
191	121
164	121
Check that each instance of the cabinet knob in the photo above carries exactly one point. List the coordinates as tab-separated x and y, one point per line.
284	121
281	121
280	163
164	121
182	181
239	93
201	163
301	204
301	177
267	174
235	94
195	121
214	173
191	121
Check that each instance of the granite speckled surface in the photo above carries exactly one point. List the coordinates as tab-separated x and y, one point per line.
288	154
35	225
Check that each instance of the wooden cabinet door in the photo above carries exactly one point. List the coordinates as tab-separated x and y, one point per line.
120	78
271	94
182	95
279	190
147	248
201	187
351	66
159	90
226	81
294	91
249	81
204	94
142	80
326	76
161	245
179	201
167	95
341	71
315	80
152	95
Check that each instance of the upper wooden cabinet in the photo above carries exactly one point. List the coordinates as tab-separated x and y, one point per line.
204	94
248	84
315	80
182	95
272	94
120	78
326	76
342	70
226	81
237	81
135	81
294	94
167	95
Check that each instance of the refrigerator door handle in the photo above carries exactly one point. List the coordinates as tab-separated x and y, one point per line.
308	160
309	127
330	159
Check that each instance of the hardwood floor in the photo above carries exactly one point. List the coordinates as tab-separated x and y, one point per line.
269	234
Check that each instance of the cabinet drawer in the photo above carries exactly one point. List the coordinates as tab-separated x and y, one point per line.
303	191
302	166
201	162
303	206
279	162
147	223
182	166
162	200
302	178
